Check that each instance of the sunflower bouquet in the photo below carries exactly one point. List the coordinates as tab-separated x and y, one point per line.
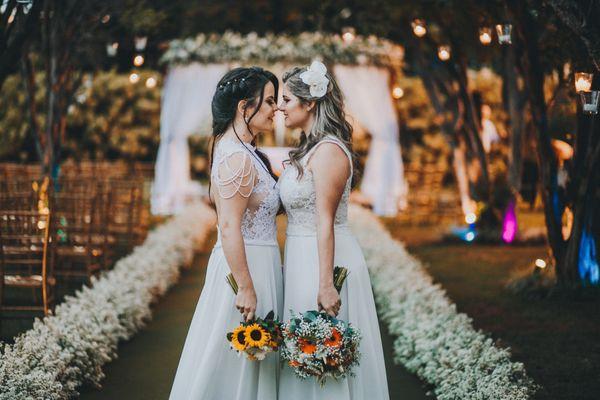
321	346
256	338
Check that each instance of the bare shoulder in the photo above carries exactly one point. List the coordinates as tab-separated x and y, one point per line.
330	156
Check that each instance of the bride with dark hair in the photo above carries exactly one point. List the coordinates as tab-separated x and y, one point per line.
244	192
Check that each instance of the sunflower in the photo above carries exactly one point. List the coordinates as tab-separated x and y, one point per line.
238	338
335	340
256	336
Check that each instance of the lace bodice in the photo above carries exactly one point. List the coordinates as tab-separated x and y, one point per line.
298	194
237	169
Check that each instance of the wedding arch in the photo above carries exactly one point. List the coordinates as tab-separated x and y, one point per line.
362	66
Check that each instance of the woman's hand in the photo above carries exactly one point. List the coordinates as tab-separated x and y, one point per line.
329	300
245	302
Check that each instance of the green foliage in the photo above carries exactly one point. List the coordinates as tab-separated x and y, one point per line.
111	118
13	129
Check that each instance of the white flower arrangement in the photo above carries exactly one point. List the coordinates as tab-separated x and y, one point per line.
69	348
232	47
433	339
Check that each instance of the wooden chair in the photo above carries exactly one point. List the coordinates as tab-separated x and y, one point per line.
79	252
126	213
26	260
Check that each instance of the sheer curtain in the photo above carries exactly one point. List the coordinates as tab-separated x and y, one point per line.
368	100
186	99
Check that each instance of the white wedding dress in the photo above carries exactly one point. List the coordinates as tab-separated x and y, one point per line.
208	368
301	282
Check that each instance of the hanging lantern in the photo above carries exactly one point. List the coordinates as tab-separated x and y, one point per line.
444	52
583	81
111	49
397	92
419	28
589	101
485	35
348	34
503	31
140	42
138	60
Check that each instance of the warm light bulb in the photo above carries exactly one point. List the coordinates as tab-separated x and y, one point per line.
540	263
418	27
471	218
151	82
138	60
397	92
134	78
444	53
348	34
485	36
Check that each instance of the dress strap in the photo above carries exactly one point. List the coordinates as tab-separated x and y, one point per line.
334	140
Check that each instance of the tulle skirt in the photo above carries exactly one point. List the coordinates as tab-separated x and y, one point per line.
208	368
301	281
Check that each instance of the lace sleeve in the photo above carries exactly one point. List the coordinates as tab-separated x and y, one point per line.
235	174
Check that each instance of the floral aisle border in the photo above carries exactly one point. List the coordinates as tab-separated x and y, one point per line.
232	47
63	351
433	339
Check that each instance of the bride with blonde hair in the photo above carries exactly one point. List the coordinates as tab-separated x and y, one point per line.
314	189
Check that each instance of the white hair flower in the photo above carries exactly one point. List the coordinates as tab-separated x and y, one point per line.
315	78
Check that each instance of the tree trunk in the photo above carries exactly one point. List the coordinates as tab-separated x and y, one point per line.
534	75
517	122
472	126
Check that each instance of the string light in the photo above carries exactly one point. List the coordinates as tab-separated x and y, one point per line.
419	28
540	263
105	19
397	92
348	34
134	78
485	35
151	82
470	218
138	60
444	52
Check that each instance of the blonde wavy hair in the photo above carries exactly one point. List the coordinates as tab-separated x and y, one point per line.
330	118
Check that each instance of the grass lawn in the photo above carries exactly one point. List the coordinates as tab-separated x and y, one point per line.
558	339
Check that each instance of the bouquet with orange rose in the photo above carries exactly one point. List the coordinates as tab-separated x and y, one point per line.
316	344
319	345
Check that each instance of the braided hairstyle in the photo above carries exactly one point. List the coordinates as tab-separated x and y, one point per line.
237	85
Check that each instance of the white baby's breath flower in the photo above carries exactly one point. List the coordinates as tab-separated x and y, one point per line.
67	349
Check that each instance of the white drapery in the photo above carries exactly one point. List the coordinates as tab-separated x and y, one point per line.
187	94
368	100
186	99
